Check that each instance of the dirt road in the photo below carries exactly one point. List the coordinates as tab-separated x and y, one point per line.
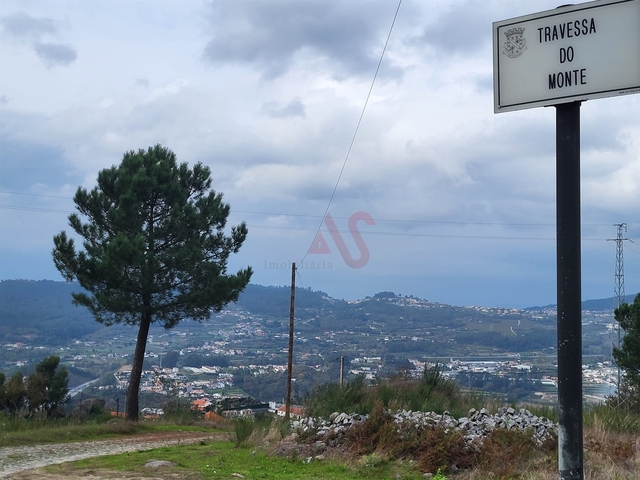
20	462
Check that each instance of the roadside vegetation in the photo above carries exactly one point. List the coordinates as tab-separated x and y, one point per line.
99	425
432	393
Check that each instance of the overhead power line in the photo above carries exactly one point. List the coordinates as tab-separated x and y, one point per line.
35	195
375	233
306	215
355	133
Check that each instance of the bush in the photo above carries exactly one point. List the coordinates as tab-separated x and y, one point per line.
243	427
432	393
180	412
329	398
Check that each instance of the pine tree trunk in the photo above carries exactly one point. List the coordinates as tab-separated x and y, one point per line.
136	369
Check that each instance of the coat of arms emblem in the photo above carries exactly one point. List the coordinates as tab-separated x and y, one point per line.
516	44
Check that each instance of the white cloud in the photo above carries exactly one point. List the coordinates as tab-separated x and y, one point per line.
169	89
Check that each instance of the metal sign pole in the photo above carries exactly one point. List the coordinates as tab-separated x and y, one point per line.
570	442
559	58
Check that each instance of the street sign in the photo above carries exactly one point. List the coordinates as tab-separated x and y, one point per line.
573	53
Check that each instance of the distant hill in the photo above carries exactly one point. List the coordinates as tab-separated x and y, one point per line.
598	305
42	312
275	301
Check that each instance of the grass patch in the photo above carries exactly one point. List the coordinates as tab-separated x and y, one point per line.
221	460
68	432
618	420
16	431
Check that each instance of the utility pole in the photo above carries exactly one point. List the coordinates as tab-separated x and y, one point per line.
342	370
290	364
619	278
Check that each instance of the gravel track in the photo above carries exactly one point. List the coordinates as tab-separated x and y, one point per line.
18	459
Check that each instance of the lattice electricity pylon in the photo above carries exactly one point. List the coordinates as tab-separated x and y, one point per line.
619	281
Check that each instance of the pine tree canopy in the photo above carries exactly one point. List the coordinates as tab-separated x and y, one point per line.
154	243
627	357
155	248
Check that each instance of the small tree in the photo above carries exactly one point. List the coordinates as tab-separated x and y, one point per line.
154	248
3	391
36	392
627	357
14	393
170	359
48	387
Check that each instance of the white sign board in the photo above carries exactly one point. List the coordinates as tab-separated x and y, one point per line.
578	52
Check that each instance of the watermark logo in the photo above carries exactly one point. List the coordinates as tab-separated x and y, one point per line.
321	247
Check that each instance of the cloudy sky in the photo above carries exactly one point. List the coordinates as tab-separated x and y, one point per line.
453	203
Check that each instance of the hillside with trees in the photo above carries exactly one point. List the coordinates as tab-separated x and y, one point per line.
42	311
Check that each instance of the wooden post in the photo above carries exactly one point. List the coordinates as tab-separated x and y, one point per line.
342	370
290	365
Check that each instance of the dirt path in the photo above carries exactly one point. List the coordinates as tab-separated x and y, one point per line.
27	458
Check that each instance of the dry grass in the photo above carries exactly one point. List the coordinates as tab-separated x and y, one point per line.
610	454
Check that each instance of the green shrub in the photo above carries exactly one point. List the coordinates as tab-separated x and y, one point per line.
180	412
243	427
433	392
439	476
354	397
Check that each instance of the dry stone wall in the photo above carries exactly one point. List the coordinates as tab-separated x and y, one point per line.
475	426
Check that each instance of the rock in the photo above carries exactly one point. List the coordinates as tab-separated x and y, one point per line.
84	408
340	418
159	463
476	426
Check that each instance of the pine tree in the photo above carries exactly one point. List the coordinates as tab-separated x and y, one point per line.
627	357
48	387
155	249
